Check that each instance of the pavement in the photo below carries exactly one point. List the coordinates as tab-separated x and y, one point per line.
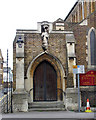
0	116
66	115
1	94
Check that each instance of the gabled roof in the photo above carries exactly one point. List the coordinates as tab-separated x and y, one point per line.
71	10
59	20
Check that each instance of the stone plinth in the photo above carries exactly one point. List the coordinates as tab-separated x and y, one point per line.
72	99
20	101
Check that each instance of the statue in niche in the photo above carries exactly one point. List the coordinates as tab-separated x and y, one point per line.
45	37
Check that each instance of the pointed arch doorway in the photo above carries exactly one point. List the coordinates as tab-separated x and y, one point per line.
45	82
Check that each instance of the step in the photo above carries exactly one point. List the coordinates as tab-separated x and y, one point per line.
57	104
46	109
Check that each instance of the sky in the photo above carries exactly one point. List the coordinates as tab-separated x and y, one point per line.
24	14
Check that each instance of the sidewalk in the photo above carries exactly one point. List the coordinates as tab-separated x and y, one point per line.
56	114
0	116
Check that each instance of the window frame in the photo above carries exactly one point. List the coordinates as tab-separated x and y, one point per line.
90	66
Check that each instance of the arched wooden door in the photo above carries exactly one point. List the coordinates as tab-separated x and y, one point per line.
45	83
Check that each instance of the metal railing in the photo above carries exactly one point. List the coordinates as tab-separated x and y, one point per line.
62	93
30	91
5	103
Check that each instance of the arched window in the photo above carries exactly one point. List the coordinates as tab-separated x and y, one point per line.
92	48
85	9
92	6
80	11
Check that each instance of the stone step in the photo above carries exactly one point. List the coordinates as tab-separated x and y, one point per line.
46	109
46	105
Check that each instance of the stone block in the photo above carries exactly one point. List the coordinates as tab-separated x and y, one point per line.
20	101
72	99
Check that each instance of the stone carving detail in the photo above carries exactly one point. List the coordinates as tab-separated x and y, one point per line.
45	37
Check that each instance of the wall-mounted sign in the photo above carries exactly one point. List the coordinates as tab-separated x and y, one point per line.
88	79
78	69
74	66
75	71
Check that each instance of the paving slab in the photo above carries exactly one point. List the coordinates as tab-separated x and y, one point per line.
51	114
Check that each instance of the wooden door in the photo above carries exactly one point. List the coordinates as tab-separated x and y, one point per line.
45	83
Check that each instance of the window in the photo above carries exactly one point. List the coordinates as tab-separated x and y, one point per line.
92	49
76	17
85	9
80	11
73	18
92	6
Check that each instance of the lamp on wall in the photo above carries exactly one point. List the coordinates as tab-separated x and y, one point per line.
20	41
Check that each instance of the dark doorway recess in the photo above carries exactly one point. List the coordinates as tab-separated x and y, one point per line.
45	83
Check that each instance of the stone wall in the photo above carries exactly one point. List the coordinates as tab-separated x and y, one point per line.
57	47
74	23
33	47
72	99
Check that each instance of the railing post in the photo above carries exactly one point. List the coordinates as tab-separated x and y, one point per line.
7	80
11	97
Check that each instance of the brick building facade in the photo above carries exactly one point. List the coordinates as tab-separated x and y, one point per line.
43	59
82	20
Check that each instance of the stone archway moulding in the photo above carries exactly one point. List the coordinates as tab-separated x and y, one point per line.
57	66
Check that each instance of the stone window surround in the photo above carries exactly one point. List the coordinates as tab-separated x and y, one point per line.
90	67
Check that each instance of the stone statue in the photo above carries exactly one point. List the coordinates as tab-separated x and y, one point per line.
45	37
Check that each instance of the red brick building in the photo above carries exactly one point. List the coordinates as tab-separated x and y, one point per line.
82	20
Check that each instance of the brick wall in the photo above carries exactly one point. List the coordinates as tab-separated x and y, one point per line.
80	33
